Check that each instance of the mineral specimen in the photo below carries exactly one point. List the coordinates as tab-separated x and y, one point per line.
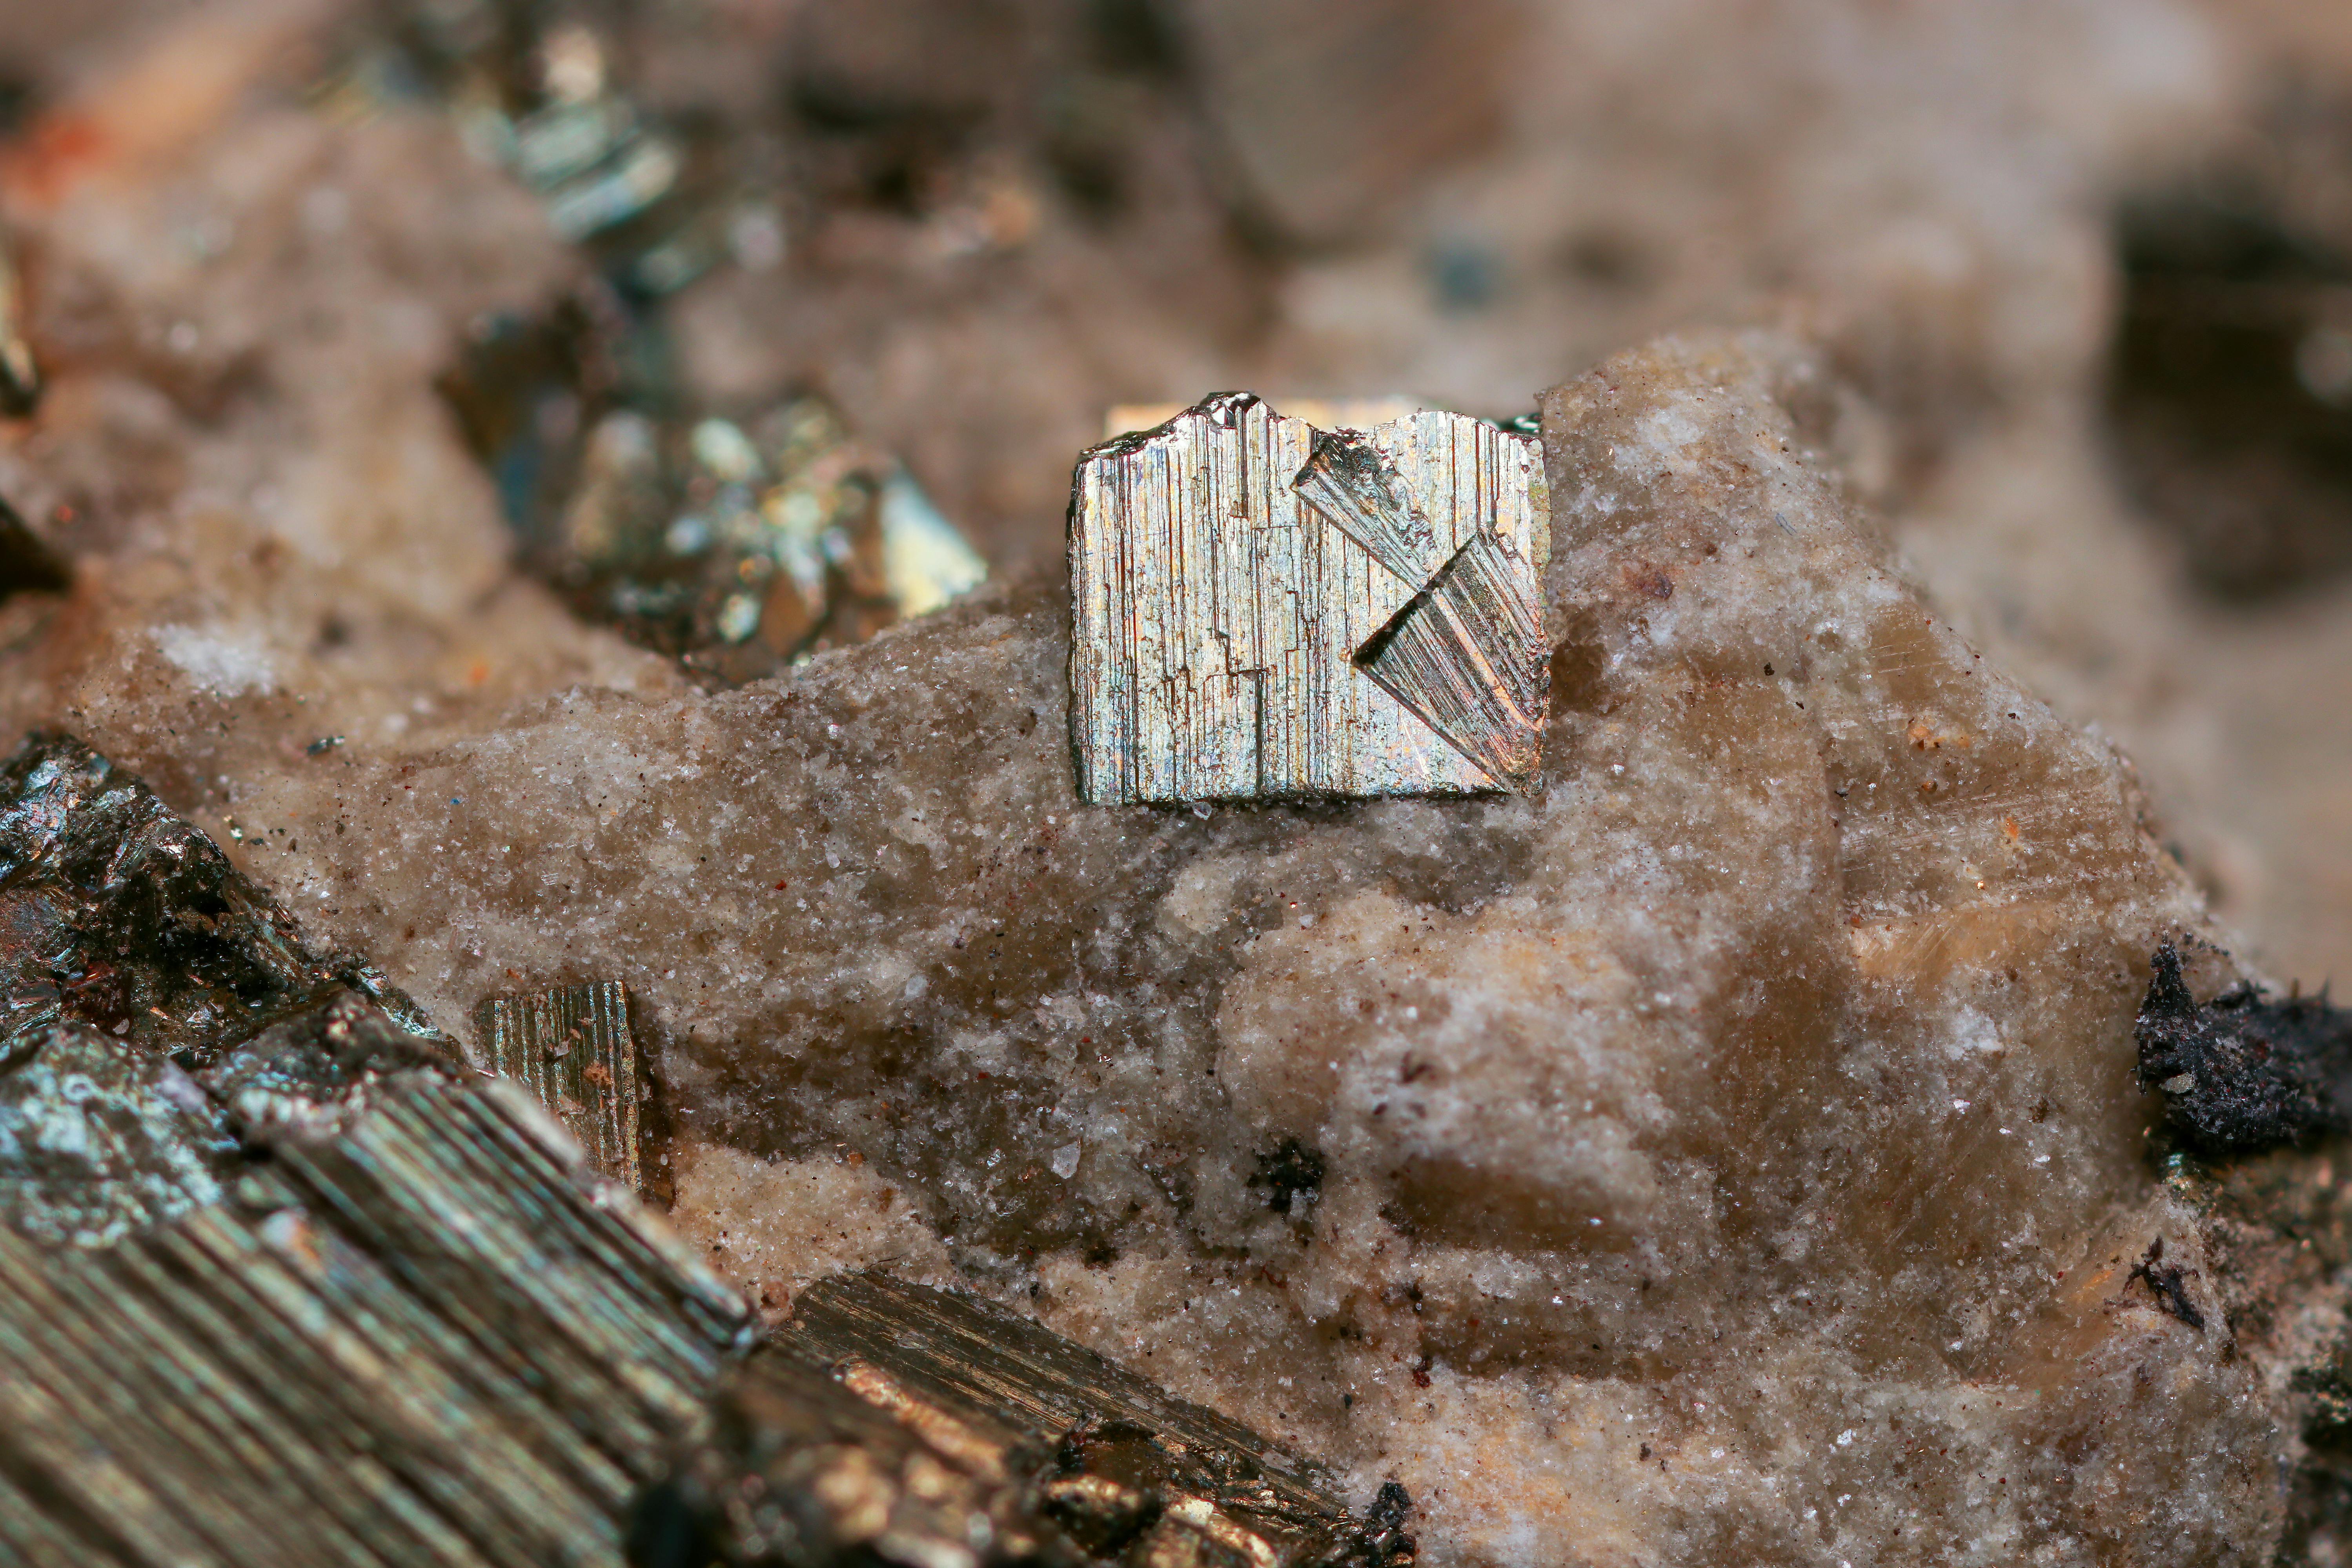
574	1049
1815	905
277	1284
424	1338
327	1301
97	1138
1264	610
159	1006
935	1428
801	1472
277	538
2242	1072
736	547
123	915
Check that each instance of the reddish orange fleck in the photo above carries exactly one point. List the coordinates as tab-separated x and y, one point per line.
57	152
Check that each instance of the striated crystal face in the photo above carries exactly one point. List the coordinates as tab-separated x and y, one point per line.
572	1047
423	1337
1262	609
938	1430
1725	1150
1758	1095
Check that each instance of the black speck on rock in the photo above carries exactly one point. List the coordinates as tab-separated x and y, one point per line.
1292	1171
2167	1282
1385	1543
2242	1072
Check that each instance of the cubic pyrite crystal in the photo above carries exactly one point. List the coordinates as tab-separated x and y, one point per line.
280	1281
1262	609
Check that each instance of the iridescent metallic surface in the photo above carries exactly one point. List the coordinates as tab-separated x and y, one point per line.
118	914
427	1338
1264	610
738	540
738	545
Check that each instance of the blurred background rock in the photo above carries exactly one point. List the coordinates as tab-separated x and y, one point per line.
2086	263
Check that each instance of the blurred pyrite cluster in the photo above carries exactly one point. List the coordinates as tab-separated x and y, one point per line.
735	542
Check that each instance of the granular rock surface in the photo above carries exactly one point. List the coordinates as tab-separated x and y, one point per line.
1731	1154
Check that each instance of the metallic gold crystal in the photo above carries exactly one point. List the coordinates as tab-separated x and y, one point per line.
1265	610
1322	412
934	1427
571	1048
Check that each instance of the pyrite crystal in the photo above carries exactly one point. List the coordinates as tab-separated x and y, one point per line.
735	546
280	1280
938	1430
736	540
572	1048
122	917
422	1338
1265	610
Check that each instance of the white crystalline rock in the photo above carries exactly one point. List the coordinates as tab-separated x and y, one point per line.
227	663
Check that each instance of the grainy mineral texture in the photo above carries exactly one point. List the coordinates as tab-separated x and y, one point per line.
1732	1153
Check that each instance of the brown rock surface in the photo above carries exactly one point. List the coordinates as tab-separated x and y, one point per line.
1733	1154
244	302
1842	1077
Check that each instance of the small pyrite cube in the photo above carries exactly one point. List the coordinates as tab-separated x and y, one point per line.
1264	610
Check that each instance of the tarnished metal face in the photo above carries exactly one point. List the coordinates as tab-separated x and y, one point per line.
572	1048
890	1424
1262	609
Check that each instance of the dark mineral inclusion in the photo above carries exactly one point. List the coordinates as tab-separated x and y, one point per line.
283	1281
2244	1072
117	914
